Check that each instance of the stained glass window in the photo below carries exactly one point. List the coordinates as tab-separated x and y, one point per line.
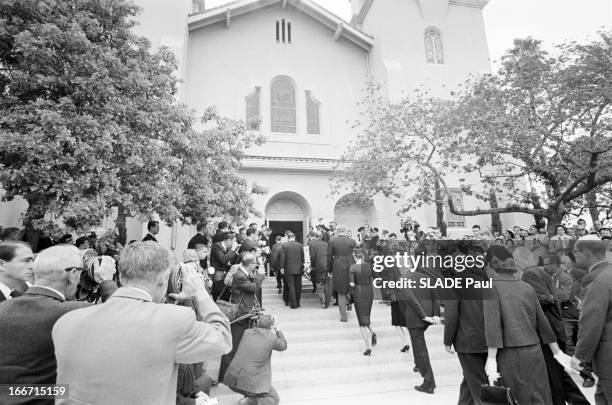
283	105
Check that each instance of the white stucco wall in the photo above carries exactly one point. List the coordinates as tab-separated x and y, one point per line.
226	64
399	57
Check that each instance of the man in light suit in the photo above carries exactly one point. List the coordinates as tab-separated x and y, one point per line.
26	347
250	373
292	268
127	351
595	325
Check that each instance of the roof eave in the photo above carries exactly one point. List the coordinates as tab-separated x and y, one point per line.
237	8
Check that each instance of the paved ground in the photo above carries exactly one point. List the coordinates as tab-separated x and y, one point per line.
324	364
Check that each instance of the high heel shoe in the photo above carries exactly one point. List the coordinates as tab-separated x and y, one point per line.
368	352
405	349
374	340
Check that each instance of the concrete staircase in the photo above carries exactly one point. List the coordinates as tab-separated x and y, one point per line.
324	364
324	361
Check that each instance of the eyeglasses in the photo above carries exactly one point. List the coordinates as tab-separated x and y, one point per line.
68	269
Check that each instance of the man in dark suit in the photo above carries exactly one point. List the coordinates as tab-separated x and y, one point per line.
26	347
199	238
275	264
222	228
318	261
245	287
250	243
339	260
15	263
153	229
464	330
420	306
292	268
222	256
595	325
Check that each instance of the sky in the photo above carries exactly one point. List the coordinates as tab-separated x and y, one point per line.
552	21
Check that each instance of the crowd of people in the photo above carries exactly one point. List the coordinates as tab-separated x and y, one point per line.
134	325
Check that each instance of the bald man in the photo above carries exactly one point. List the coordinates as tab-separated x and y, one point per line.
26	346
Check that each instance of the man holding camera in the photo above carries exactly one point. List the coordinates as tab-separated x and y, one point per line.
222	256
127	351
250	373
26	347
246	283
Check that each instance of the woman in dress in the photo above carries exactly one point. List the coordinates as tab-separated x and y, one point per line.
515	328
360	281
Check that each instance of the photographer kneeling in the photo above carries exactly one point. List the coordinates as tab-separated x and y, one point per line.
250	372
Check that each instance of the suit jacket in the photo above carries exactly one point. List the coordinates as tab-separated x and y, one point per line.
418	302
251	370
513	316
464	326
248	245
244	290
595	325
318	258
26	347
340	253
17	291
292	258
222	259
275	256
148	236
127	350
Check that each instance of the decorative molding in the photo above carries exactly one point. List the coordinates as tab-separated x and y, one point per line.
469	3
308	7
284	4
289	164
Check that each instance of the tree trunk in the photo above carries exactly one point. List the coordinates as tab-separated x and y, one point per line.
440	208
121	224
591	199
555	218
496	223
539	219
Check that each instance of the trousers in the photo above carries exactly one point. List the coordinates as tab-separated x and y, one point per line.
421	356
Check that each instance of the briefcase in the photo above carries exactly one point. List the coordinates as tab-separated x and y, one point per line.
490	395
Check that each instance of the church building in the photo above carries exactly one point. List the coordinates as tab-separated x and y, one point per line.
294	72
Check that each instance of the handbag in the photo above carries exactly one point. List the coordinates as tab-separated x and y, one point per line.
491	395
229	309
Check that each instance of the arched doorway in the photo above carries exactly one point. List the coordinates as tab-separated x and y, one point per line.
353	211
288	211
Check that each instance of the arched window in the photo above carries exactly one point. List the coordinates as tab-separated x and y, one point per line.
283	105
433	46
312	114
253	117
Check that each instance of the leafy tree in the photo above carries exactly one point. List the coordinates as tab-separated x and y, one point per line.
537	131
89	121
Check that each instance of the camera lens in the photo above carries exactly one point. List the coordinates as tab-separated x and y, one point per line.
175	280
